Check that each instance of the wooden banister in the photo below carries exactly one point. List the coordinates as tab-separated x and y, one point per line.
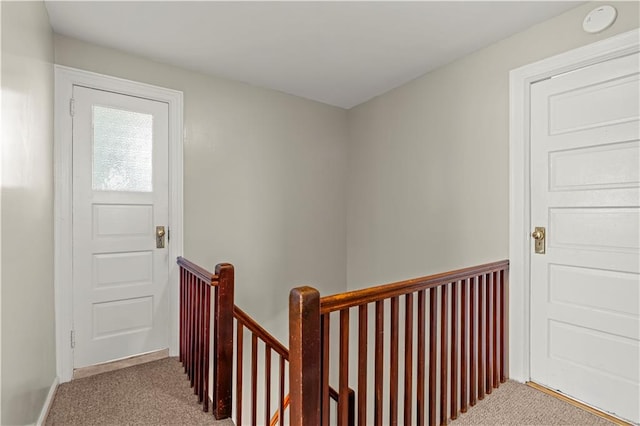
196	285
456	330
459	347
197	271
350	299
263	334
196	301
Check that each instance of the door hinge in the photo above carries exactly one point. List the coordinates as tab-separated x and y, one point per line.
72	107
73	339
168	234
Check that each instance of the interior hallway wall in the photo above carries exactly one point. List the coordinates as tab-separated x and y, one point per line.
428	162
264	179
28	336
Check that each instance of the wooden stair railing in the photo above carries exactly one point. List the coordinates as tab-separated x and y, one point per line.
271	344
455	324
196	285
259	336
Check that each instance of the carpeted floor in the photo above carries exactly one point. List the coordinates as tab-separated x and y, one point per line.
157	393
517	404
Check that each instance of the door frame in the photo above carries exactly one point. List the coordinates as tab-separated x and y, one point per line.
520	81
65	79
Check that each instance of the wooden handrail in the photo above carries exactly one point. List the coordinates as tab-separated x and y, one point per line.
263	334
198	271
350	299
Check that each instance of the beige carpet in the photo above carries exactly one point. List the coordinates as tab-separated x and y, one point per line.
155	393
158	393
517	404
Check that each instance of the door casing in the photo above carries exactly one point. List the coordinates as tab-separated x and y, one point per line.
65	79
519	180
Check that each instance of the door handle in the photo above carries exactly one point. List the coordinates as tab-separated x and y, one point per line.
539	235
160	233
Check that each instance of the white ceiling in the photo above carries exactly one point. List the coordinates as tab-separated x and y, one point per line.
339	53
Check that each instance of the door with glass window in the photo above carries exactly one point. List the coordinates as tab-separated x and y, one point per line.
120	206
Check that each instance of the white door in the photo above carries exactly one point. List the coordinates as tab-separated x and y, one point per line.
120	195
585	290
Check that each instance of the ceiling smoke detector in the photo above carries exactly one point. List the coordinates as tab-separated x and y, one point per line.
599	19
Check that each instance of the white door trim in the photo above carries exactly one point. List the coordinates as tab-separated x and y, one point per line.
519	180
65	79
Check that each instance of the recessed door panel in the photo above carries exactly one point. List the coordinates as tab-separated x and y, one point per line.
121	269
120	195
585	289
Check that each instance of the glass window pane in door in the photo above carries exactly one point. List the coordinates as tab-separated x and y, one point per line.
122	150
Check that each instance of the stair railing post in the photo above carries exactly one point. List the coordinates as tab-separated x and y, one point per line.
304	356
223	342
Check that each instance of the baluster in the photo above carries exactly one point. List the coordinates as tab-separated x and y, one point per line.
267	384
393	357
464	347
433	334
420	401
343	370
481	328
488	314
454	350
325	322
379	357
239	355
254	379
280	392
351	409
362	365
444	374
408	357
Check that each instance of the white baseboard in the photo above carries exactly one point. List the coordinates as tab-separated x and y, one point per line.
48	402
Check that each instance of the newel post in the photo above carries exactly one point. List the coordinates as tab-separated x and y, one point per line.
223	342
304	356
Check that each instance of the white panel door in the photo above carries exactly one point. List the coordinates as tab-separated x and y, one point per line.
585	291
120	195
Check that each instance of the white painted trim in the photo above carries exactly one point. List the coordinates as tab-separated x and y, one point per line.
48	402
65	79
519	179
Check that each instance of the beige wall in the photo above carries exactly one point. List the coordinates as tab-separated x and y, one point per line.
264	178
28	340
428	163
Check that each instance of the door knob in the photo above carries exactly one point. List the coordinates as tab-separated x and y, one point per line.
160	232
539	236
